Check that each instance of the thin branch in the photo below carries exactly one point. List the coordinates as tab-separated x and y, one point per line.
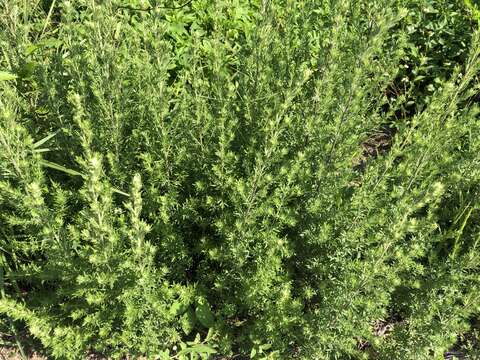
154	7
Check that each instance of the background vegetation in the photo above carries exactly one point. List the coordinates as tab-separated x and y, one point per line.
272	179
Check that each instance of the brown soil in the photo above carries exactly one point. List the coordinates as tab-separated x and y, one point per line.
13	354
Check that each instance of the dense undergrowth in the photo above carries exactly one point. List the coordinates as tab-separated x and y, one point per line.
278	179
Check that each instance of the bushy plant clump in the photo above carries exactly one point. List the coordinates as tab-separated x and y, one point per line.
279	179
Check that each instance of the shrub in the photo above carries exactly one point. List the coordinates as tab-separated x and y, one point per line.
239	177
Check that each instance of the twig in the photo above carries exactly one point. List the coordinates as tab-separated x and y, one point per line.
154	7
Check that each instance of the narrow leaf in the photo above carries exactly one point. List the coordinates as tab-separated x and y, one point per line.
115	190
5	76
60	168
45	139
41	150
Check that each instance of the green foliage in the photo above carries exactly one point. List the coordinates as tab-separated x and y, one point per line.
473	8
288	179
439	34
4	76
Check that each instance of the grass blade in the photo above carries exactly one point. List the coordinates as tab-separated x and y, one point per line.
45	139
6	76
61	168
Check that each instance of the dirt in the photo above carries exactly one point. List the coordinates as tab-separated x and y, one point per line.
13	354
